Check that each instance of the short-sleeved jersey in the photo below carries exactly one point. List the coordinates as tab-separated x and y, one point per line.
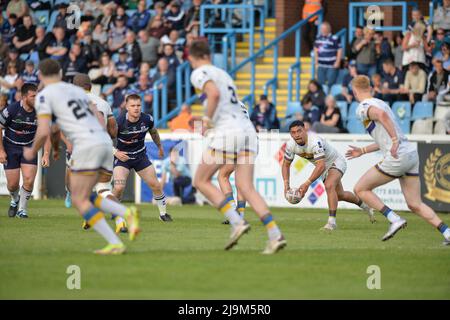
20	125
69	107
131	135
376	129
229	113
315	148
101	105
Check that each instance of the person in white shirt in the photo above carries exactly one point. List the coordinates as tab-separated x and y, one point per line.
400	161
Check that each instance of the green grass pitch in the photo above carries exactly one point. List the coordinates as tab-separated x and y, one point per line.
185	259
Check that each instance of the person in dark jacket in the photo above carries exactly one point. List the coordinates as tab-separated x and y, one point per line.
316	94
264	115
133	49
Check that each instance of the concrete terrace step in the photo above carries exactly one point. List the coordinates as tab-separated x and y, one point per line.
267	76
281	83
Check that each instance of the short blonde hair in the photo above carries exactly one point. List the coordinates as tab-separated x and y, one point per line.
361	82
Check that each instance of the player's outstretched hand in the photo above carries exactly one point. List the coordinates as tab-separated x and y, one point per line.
394	149
122	156
161	152
45	161
28	154
3	156
353	152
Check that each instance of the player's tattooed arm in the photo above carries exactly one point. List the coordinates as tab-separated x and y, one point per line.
157	140
111	127
286	173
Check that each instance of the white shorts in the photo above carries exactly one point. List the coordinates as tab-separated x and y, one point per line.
339	164
92	160
407	164
231	143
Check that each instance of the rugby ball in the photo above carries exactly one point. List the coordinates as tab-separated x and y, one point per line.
293	196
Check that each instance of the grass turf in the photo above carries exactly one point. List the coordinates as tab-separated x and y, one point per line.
185	259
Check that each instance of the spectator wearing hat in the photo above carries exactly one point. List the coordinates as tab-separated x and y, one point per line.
415	83
437	81
117	35
149	47
25	35
124	66
133	49
264	115
29	75
140	19
58	47
17	7
347	92
174	18
327	55
73	63
8	28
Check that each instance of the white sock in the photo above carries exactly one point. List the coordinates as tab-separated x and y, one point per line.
14	196
230	213
446	233
332	220
161	202
392	216
119	220
364	206
109	206
106	232
24	197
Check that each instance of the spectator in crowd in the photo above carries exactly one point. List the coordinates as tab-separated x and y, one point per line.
310	28
73	63
117	35
359	35
159	8
311	113
169	54
392	81
383	49
105	74
189	39
377	85
439	40
316	94
441	17
398	50
25	35
13	58
58	47
176	170
91	50
415	83
192	18
132	47
139	20
149	47
264	115
100	35
105	19
444	55
124	66
61	18
364	48
9	27
437	81
347	93
29	75
119	91
328	55
8	83
174	18
174	39
120	12
92	7
143	88
165	70
330	119
157	28
417	16
184	120
3	101
415	45
17	7
144	69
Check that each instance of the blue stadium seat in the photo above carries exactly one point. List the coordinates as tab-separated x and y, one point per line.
56	2
293	107
115	57
106	87
355	126
336	89
130	12
405	125
342	105
341	75
402	110
325	89
148	3
41	17
422	110
352	110
52	20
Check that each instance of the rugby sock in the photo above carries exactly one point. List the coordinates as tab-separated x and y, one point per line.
161	202
24	197
444	229
229	197
332	216
241	207
118	219
14	196
272	229
389	214
96	219
108	205
230	212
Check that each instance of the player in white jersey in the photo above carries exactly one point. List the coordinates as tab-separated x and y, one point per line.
234	137
329	165
70	109
400	161
105	115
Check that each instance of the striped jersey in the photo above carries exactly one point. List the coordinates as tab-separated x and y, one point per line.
20	125
327	48
131	135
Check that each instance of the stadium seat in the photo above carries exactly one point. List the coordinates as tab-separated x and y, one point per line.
336	90
293	107
355	126
217	59
422	126
325	89
402	110
148	3
106	87
56	2
441	112
405	125
342	105
130	12
422	110
341	75
52	20
352	110
41	17
115	57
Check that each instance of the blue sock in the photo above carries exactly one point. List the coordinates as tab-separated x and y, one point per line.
389	214
442	227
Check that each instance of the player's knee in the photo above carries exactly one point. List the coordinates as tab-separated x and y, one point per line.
329	186
28	182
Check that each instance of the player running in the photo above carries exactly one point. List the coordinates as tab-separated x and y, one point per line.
234	138
19	122
70	108
400	161
131	152
330	166
105	115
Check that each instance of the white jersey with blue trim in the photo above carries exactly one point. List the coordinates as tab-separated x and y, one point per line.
376	129
102	105
230	113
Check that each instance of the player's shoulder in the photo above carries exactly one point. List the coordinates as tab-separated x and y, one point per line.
314	138
203	72
147	118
